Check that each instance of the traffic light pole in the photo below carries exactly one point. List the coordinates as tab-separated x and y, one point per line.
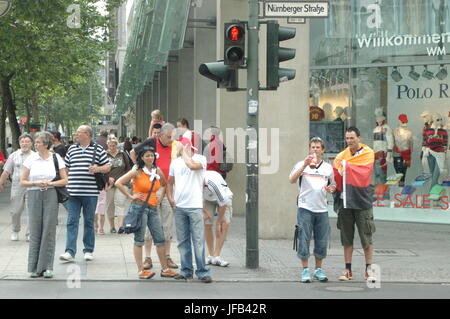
252	250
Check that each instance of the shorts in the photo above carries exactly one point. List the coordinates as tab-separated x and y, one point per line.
211	207
347	218
167	219
151	221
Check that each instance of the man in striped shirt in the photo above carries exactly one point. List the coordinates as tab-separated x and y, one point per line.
83	191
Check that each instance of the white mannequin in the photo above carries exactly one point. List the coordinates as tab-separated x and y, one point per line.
328	110
427	118
339	111
383	145
403	140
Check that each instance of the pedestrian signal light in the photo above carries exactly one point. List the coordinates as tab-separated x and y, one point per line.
234	44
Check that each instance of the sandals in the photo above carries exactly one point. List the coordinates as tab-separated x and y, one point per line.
145	274
101	232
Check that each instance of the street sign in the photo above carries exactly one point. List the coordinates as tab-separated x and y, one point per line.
297	9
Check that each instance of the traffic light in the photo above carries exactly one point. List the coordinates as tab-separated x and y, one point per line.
275	54
234	44
224	75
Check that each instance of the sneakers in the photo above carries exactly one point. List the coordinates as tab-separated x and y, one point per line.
28	238
48	274
206	280
146	274
218	261
14	236
88	256
66	257
36	275
346	275
113	231
171	264
319	275
306	276
370	275
168	273
181	277
209	260
148	264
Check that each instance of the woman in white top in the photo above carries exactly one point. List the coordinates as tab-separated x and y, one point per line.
38	176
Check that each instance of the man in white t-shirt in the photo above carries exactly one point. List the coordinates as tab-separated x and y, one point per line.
216	195
185	192
315	178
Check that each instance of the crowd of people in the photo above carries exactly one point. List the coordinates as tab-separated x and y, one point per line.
163	178
179	192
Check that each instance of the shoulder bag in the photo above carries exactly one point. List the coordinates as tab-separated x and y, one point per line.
61	191
133	219
101	179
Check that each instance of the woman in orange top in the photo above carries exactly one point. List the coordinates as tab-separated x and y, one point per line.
144	174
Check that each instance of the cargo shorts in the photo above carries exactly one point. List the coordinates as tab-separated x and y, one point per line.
347	218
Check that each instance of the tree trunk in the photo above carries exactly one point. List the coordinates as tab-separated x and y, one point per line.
3	128
28	111
35	106
8	102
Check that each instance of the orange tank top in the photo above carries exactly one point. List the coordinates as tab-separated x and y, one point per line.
142	184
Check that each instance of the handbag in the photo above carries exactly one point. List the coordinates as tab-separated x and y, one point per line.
101	179
61	191
133	219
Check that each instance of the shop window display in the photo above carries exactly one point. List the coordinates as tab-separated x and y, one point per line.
382	66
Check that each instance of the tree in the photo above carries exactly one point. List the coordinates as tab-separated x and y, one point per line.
44	56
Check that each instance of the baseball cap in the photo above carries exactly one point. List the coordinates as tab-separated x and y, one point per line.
186	141
403	118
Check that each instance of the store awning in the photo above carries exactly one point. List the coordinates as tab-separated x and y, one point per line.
158	27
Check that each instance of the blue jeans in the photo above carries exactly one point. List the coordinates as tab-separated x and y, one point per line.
150	219
308	223
189	225
74	205
434	170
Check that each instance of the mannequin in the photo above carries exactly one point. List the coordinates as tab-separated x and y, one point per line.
383	143
427	118
436	144
403	148
328	109
339	111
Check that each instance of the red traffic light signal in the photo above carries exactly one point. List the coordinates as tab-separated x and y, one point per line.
235	33
234	44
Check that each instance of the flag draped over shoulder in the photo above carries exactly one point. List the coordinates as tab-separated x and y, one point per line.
352	175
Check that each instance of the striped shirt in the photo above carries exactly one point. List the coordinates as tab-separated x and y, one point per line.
216	189
78	160
436	140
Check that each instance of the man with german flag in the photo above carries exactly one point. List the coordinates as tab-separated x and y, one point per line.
353	200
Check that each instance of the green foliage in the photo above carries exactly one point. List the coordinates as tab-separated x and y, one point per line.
50	57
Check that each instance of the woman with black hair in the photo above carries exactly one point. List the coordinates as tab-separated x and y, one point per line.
147	177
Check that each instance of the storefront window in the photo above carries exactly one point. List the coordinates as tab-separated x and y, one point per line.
382	66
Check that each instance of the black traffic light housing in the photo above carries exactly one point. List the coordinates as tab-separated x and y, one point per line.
234	44
275	54
224	75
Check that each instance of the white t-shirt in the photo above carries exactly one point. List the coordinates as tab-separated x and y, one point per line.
188	188
216	189
42	169
312	195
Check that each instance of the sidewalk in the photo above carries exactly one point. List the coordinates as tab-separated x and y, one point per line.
405	252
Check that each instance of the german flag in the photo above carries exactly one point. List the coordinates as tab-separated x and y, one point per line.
352	175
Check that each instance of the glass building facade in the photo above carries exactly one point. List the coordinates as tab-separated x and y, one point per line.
381	65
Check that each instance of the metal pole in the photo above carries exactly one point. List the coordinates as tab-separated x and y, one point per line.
252	252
